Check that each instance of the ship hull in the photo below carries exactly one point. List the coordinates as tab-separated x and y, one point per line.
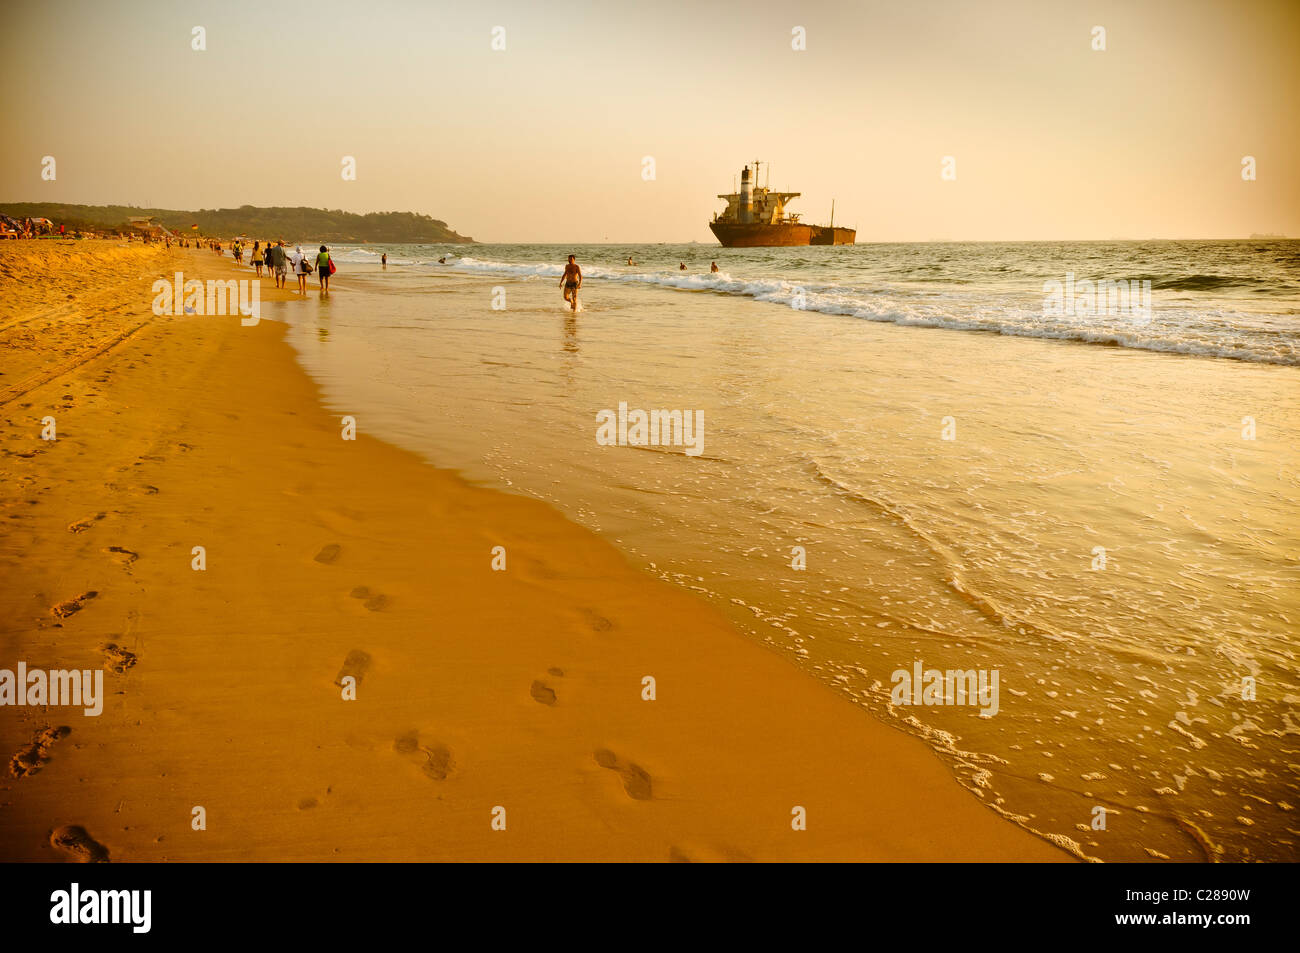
736	235
831	235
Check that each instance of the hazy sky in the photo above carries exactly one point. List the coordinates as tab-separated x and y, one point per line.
544	141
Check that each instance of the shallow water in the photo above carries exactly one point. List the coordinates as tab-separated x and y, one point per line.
1119	686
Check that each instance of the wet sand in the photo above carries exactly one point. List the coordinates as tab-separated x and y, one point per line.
480	694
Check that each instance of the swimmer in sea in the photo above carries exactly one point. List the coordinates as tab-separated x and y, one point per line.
713	266
571	280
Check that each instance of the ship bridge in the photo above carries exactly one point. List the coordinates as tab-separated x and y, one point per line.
755	204
768	207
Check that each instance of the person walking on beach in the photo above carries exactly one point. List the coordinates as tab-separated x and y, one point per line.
277	263
298	261
256	257
266	259
572	281
323	269
383	259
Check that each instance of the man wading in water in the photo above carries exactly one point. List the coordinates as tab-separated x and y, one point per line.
572	281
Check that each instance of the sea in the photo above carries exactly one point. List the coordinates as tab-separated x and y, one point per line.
1067	468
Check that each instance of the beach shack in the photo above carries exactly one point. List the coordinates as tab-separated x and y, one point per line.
146	226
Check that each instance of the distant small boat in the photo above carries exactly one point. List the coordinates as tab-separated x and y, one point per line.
755	218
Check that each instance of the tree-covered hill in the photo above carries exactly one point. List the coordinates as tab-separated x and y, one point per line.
291	224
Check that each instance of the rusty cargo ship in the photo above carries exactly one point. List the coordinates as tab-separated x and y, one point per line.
755	217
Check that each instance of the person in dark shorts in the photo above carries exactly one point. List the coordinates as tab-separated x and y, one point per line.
323	269
279	263
572	281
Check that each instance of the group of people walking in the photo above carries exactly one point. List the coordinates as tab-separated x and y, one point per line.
279	261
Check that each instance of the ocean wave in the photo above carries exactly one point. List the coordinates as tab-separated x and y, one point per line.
1202	282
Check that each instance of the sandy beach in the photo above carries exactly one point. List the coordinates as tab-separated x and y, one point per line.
477	689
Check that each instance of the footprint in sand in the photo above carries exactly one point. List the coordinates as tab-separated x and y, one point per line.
117	659
534	568
72	606
329	553
124	557
373	601
597	621
543	693
356	664
434	760
636	782
708	854
77	843
37	754
80	526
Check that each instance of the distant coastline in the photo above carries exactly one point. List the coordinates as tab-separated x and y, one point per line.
331	225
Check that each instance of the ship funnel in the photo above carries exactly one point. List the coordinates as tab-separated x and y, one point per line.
746	197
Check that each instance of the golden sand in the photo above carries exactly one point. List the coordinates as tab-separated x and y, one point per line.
477	690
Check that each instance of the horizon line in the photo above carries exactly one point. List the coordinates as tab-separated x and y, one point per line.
881	241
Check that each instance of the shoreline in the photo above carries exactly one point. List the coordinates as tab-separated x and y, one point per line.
196	431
